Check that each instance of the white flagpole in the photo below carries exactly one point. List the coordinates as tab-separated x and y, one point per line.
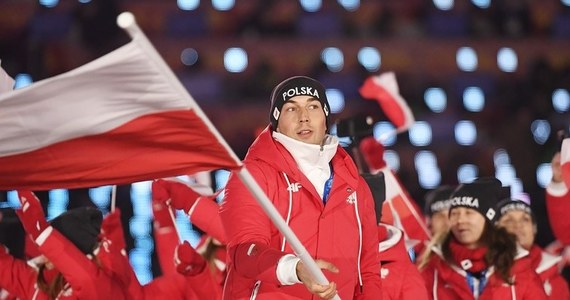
173	218
113	197
277	219
126	21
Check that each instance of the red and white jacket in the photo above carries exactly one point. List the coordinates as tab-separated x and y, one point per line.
558	206
171	285
401	279
546	266
85	279
445	281
343	232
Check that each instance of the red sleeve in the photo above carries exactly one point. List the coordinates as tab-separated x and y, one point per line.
85	277
170	286
116	262
558	207
166	239
112	229
245	223
15	275
428	275
204	284
369	260
205	216
176	286
256	261
413	286
559	287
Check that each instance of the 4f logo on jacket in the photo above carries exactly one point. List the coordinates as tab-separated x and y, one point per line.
294	187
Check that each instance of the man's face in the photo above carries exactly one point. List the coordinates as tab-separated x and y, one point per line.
302	118
520	224
439	222
467	226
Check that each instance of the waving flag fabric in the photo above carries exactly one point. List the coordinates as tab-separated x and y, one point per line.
119	119
384	89
401	211
6	82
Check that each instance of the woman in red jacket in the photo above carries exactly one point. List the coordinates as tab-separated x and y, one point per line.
476	260
517	218
70	248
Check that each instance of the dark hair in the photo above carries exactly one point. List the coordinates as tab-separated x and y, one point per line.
210	254
53	288
501	245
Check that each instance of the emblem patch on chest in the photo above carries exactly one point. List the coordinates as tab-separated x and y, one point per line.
351	199
294	187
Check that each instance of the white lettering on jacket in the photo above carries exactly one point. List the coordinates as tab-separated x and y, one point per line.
299	91
465	201
294	187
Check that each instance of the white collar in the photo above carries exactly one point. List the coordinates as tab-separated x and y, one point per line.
313	160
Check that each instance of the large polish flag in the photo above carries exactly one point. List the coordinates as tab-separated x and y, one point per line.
6	82
119	119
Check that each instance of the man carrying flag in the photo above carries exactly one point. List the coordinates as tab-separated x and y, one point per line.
315	186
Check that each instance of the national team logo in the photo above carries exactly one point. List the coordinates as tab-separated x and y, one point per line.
351	199
294	187
276	114
490	214
466	264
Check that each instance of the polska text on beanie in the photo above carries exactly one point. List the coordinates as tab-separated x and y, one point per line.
438	199
296	86
507	205
481	195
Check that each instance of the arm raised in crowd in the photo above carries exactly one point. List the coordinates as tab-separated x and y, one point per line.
82	227
16	276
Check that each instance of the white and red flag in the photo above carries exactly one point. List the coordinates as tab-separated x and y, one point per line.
121	118
401	211
384	89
